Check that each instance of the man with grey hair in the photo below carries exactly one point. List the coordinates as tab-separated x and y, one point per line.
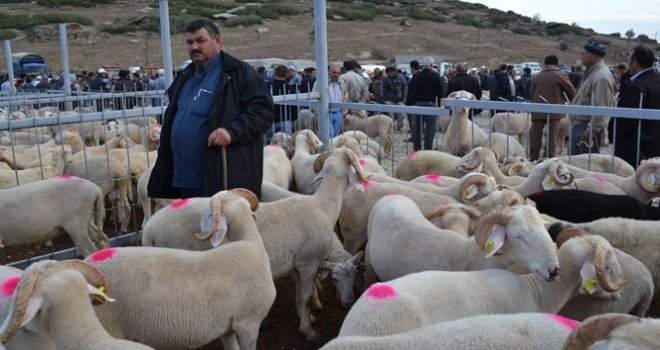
424	90
463	81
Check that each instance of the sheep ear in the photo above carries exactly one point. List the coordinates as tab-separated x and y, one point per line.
219	235
34	305
318	177
548	184
353	179
495	241
588	274
98	295
471	191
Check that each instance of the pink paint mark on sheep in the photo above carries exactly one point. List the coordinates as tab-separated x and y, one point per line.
571	324
602	180
63	177
180	203
273	145
368	184
616	252
103	254
433	178
381	291
9	285
362	161
80	181
412	154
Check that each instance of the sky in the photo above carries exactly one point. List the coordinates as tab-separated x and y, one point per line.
603	16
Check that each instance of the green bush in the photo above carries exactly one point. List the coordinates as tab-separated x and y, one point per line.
353	12
424	15
243	21
77	3
563	46
467	20
269	11
7	35
521	31
442	10
23	22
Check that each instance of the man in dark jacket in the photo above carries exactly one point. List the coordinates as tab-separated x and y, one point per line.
122	85
285	116
395	90
424	90
642	92
463	81
212	135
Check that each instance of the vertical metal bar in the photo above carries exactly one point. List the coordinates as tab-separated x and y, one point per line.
165	40
639	130
321	44
64	50
10	71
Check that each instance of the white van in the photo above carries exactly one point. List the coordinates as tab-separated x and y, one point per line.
534	66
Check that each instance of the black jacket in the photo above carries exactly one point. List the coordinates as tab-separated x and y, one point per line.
465	82
243	105
424	87
648	85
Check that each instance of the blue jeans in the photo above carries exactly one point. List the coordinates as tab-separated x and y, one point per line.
424	124
284	127
336	123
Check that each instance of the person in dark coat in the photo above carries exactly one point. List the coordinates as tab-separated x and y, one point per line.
212	134
642	92
424	90
463	81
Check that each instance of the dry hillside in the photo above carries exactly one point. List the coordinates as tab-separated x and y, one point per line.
392	31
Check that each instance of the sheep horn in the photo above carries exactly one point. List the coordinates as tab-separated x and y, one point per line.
471	212
600	259
514	169
216	207
510	198
320	161
642	175
476	179
93	275
247	194
18	306
310	140
498	215
438	212
568	233
352	158
594	329
553	172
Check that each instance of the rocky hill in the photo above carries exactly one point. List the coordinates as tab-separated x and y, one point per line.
126	33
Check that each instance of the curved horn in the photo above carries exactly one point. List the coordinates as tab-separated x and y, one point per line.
473	213
216	208
514	169
553	172
310	140
93	275
641	176
510	198
247	194
474	162
19	303
438	212
353	159
498	215
594	329
320	160
600	259
476	179
568	233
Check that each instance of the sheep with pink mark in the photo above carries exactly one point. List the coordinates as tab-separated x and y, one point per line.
183	216
601	163
42	211
174	298
420	163
521	331
51	303
23	339
356	206
430	297
401	241
436	180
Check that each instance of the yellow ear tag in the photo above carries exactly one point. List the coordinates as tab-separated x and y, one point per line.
589	285
548	182
489	246
100	299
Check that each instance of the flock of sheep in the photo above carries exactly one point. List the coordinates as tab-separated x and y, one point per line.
455	251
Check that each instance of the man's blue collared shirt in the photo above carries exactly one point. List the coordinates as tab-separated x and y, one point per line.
190	130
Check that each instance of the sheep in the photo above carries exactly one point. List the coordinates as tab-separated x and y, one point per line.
13	178
504	146
41	211
430	183
113	178
285	141
462	135
138	162
295	246
457	218
582	206
423	298
635	237
356	206
277	167
420	163
436	180
604	163
516	166
480	159
562	137
53	298
306	145
514	124
367	145
377	125
24	338
90	131
635	298
343	268
615	331
504	197
402	241
545	176
306	120
147	201
514	332
174	298
272	193
182	216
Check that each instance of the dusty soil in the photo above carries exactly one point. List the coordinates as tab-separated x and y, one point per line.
292	38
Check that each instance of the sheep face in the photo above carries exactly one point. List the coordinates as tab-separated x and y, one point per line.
473	160
343	275
462	95
223	207
528	242
341	162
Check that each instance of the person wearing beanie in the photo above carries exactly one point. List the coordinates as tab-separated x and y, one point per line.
596	89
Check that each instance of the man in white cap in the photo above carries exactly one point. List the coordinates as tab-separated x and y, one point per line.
424	90
158	84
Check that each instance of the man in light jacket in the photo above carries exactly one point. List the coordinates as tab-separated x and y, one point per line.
596	89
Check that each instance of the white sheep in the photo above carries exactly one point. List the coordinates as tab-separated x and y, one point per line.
147	202
24	339
516	166
547	175
376	125
174	298
635	298
514	124
419	163
615	331
402	241
307	144
43	210
522	331
271	192
277	167
52	298
484	159
13	178
457	218
603	163
424	298
462	135
184	217
436	180
504	146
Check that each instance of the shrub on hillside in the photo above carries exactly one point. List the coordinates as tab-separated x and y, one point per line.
243	21
23	22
